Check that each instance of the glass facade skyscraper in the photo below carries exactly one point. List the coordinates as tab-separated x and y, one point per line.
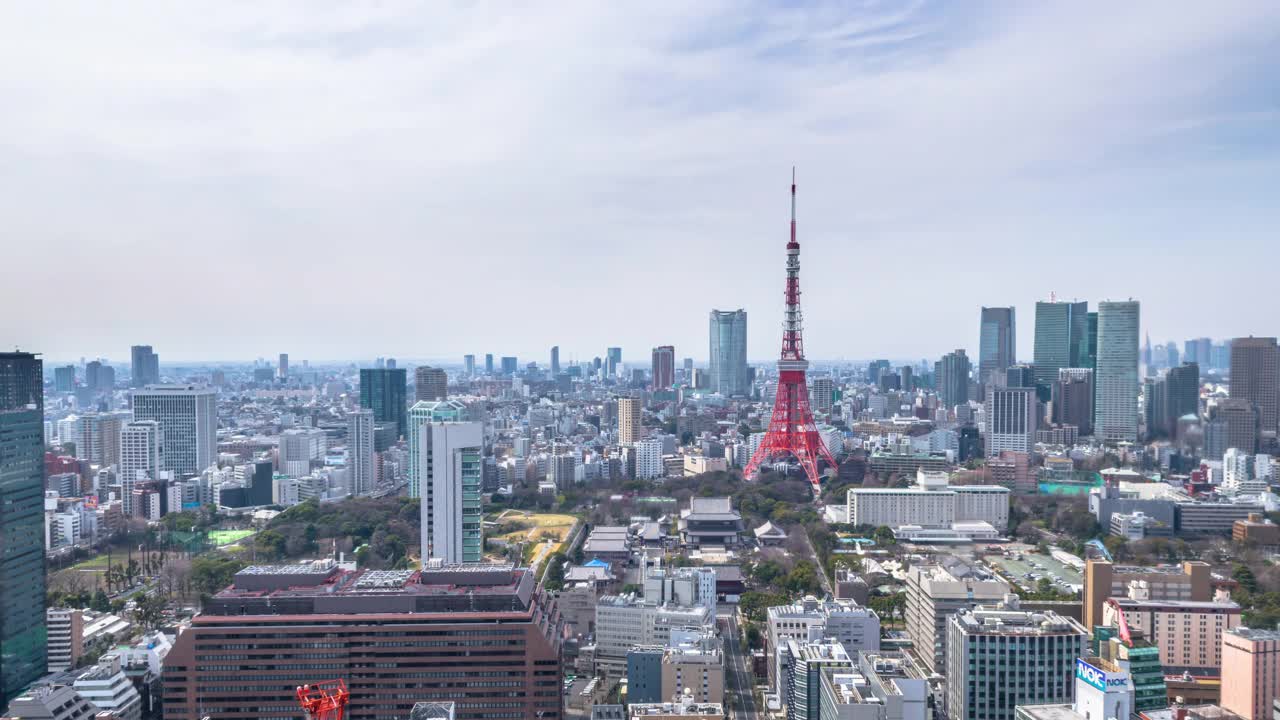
729	352
1062	340
385	392
22	582
997	341
1116	379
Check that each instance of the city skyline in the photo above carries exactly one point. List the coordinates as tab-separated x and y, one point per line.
650	146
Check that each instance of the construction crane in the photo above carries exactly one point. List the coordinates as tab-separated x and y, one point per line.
324	701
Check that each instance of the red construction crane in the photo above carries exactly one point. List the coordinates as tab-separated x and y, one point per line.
324	701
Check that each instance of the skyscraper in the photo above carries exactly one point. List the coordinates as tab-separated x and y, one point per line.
1073	399
509	365
22	579
488	363
469	365
282	366
951	374
360	451
729	352
449	473
383	391
629	427
188	415
555	360
141	458
98	376
145	365
430	383
1181	396
613	361
1116	414
1255	376
64	378
1091	344
1062	339
1012	421
664	367
823	391
997	343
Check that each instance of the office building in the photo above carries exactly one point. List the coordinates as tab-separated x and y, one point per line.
383	390
555	360
664	367
99	439
142	458
145	366
52	702
807	662
1104	580
361	455
624	622
1169	397
106	687
1235	424
98	376
469	365
509	365
480	636
930	503
997	341
884	685
1011	424
488	363
1116	414
1000	657
445	466
694	670
630	431
188	416
1104	690
22	573
282	366
430	383
64	378
1072	397
1255	376
822	388
935	593
612	362
65	629
728	333
951	377
852	626
1250	672
1188	632
1061	339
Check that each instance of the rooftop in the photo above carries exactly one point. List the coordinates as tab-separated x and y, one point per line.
1255	634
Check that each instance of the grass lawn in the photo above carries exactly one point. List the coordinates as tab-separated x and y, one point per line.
97	562
226	537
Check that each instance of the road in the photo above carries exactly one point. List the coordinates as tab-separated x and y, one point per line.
822	572
740	681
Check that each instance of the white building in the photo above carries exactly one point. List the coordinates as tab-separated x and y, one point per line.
1011	419
51	702
625	621
360	451
449	477
681	586
1239	472
141	457
188	415
929	505
648	459
108	689
855	627
299	447
1116	415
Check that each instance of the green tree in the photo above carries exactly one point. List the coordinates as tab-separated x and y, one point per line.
1242	574
554	579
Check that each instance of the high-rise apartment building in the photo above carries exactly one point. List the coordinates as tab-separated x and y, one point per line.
188	415
629	428
488	363
555	360
145	365
22	580
282	366
1116	414
141	457
469	365
360	451
430	383
664	367
729	352
445	466
482	637
384	390
1011	424
822	388
1255	376
1000	657
1062	339
951	374
997	343
99	438
1250	672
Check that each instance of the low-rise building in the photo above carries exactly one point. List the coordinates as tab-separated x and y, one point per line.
1256	530
108	689
710	521
1250	672
930	503
51	702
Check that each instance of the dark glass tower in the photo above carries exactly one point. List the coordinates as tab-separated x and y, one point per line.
384	391
1062	340
22	586
997	341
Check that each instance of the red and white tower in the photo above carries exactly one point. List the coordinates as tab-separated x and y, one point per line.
791	428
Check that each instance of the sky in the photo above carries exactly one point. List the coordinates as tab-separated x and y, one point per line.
422	180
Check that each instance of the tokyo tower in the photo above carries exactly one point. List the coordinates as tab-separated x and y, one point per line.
791	428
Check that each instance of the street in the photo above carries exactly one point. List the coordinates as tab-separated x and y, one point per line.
738	670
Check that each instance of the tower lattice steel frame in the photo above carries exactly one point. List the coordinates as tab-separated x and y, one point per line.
791	427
